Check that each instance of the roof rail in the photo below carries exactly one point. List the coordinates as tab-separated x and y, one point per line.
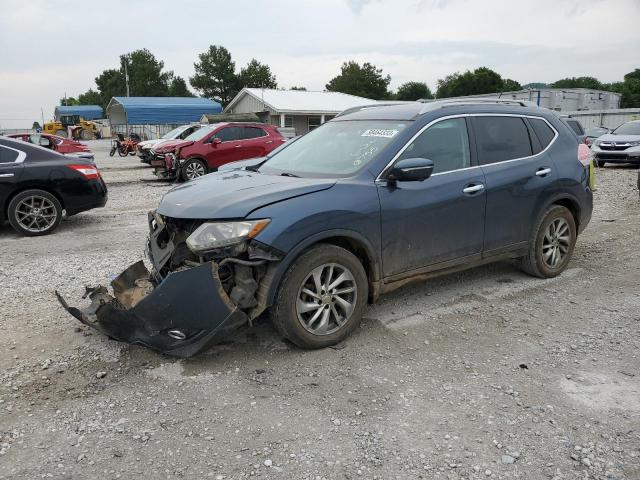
372	105
434	104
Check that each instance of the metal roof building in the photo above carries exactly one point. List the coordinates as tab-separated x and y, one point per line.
159	110
299	109
88	112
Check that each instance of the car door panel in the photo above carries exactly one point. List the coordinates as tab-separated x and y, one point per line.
429	222
514	186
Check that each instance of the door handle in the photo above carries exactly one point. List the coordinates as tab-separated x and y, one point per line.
6	175
543	171
269	141
473	188
238	146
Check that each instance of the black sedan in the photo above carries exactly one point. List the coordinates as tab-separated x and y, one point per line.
38	186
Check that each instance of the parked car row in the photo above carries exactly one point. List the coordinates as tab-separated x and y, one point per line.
211	146
62	145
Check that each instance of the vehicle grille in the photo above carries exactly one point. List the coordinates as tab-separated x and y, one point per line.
614	148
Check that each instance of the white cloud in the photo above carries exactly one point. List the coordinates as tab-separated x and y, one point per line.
49	48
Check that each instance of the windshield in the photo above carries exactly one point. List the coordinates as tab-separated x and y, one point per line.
336	149
174	133
631	128
200	133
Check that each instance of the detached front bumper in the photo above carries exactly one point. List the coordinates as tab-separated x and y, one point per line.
185	314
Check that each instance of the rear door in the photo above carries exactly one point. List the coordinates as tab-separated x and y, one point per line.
11	165
518	170
255	141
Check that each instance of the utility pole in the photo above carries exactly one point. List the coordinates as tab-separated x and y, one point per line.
42	114
126	77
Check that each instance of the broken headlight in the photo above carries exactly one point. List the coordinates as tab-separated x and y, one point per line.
210	236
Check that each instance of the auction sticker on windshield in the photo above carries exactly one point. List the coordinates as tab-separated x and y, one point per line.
379	132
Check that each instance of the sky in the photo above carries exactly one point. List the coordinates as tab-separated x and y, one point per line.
49	48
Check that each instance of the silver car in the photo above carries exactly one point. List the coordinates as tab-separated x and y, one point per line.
622	145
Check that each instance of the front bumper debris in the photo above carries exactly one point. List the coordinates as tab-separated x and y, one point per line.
185	314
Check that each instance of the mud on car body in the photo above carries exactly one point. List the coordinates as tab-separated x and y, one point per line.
371	200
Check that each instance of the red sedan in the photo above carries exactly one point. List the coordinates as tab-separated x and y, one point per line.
214	145
61	145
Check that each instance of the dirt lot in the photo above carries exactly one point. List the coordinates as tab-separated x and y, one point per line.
483	374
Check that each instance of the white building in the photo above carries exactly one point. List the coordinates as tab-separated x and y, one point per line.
298	109
562	99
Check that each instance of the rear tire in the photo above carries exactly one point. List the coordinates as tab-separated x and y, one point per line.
86	134
34	212
321	298
552	243
192	169
122	152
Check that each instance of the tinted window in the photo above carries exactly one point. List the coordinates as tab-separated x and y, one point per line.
253	132
501	138
229	134
446	143
576	127
543	131
8	155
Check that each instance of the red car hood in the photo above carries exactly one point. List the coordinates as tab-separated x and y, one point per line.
171	145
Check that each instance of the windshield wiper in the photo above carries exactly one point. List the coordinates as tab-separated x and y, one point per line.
287	174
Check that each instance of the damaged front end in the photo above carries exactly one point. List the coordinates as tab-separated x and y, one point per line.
188	301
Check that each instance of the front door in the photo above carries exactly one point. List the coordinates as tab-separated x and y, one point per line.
440	219
518	170
228	149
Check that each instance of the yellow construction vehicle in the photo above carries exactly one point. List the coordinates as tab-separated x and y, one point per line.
80	128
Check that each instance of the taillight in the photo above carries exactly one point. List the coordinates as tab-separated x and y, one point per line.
87	171
585	155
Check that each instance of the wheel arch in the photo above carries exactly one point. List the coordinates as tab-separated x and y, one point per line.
347	239
570	204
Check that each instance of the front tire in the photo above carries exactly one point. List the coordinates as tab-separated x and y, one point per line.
192	169
62	133
34	212
321	298
551	245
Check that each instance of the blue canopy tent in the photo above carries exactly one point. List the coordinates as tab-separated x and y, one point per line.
159	110
88	112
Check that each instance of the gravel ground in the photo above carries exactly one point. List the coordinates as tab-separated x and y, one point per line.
482	374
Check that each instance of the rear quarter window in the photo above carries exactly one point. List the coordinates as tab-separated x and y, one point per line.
543	131
499	139
576	127
8	155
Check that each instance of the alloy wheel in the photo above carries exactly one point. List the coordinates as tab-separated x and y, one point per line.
194	170
326	299
556	243
36	213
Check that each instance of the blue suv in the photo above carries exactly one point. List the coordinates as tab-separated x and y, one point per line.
371	200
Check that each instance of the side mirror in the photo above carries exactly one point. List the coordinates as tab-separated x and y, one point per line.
411	170
215	142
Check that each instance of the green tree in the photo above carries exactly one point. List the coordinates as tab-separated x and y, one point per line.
631	75
476	82
578	82
67	101
90	97
364	81
35	126
178	88
146	78
413	91
110	84
215	75
256	74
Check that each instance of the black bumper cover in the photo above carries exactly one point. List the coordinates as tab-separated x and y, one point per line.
189	303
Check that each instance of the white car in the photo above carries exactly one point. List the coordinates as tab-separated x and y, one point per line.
179	133
622	145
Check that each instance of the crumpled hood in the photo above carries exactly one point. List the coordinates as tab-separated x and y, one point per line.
170	145
609	137
235	194
150	143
